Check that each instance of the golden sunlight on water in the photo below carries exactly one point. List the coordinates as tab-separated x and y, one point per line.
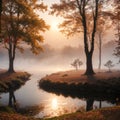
54	104
58	105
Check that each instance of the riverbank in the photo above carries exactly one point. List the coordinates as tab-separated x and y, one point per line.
12	81
110	113
75	84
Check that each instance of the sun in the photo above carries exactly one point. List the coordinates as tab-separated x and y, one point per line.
54	26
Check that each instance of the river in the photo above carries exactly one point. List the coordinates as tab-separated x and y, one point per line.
53	105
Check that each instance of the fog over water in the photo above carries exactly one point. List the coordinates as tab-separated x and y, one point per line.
52	59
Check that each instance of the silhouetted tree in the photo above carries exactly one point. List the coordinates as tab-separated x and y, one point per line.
77	63
80	16
80	63
20	23
109	65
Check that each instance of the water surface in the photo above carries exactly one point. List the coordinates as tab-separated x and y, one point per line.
53	105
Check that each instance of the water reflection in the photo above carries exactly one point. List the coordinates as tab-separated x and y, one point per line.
76	91
12	99
54	104
50	104
89	104
58	105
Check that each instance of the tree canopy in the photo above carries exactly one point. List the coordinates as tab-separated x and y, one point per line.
21	23
80	16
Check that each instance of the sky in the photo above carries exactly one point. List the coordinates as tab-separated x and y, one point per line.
55	38
59	51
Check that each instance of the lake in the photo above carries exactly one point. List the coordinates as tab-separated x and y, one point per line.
52	105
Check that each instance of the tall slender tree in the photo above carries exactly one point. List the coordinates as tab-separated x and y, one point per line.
20	23
0	16
80	16
103	26
116	21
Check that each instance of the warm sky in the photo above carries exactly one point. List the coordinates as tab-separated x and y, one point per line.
54	57
55	38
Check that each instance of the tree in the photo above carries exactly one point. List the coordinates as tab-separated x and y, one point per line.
80	63
77	63
116	20
80	16
0	17
21	24
109	65
117	50
102	27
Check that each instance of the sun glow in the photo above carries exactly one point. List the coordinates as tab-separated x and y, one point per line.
54	104
54	26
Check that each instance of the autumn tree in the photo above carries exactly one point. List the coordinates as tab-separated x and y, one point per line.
80	16
21	24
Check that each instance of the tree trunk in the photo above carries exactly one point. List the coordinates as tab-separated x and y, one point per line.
11	58
100	50
89	65
11	65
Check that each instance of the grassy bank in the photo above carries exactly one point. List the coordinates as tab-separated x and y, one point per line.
111	113
8	113
13	80
75	84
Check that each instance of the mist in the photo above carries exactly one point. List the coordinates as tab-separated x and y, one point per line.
52	59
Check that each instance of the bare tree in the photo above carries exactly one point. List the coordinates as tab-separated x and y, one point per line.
80	63
77	63
109	64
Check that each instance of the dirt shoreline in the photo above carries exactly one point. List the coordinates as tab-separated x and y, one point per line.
110	113
74	83
12	81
